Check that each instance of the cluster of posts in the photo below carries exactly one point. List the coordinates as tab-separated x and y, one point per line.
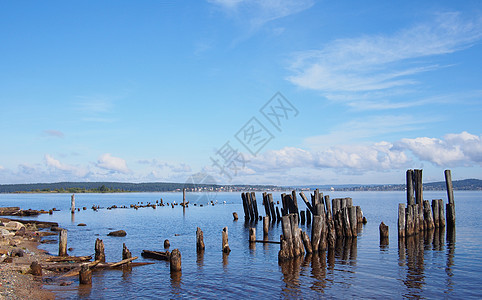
329	220
418	216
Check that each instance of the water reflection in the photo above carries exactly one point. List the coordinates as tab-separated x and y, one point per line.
200	260
411	251
176	283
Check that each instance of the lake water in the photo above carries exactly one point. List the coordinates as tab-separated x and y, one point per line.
443	268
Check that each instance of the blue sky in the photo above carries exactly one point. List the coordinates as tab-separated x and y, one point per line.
248	92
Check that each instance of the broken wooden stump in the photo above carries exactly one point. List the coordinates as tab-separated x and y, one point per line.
126	254
167	244
306	242
72	204
235	216
85	275
252	235
199	240
99	250
265	226
383	234
225	244
35	269
175	261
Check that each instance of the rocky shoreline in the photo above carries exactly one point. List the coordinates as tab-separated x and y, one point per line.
18	250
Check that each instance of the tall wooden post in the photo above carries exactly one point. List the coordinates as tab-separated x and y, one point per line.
72	204
265	226
63	242
418	186
401	220
410	199
436	213
450	194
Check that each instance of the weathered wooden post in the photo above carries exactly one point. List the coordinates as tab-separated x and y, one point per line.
271	208
306	242
265	226
184	197
167	244
126	254
302	217
410	199
225	243
99	251
450	194
308	217
85	274
436	213
235	216
383	233
199	240
252	235
353	220
316	233
427	215
278	214
175	261
295	232
255	205
418	187
441	213
72	204
401	220
286	249
409	221
63	242
245	207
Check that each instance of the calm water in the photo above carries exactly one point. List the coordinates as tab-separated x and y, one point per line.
441	268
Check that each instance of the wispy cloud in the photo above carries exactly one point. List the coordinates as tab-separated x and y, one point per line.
257	13
97	108
113	164
346	67
54	133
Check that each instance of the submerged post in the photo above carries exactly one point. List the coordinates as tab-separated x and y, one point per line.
63	242
265	226
252	235
383	233
183	197
85	275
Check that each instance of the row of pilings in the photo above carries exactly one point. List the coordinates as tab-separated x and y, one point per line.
329	220
420	215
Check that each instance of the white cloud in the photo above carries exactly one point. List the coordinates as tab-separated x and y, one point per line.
463	149
57	165
115	164
379	62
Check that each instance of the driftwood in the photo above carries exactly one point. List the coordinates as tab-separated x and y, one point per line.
267	242
159	255
68	258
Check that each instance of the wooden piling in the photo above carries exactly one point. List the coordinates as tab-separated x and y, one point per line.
225	243
418	186
235	216
99	251
427	216
286	239
451	204
324	231
353	220
346	223
265	226
184	197
302	217
441	213
255	205
126	254
167	244
436	213
410	198
278	215
252	235
308	217
85	275
72	204
245	207
306	242
409	221
199	240
63	242
175	261
271	208
383	233
298	248
327	206
359	215
401	220
316	233
308	205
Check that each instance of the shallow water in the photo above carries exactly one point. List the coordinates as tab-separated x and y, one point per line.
442	266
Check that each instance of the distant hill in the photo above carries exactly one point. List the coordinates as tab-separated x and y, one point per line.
102	187
96	187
